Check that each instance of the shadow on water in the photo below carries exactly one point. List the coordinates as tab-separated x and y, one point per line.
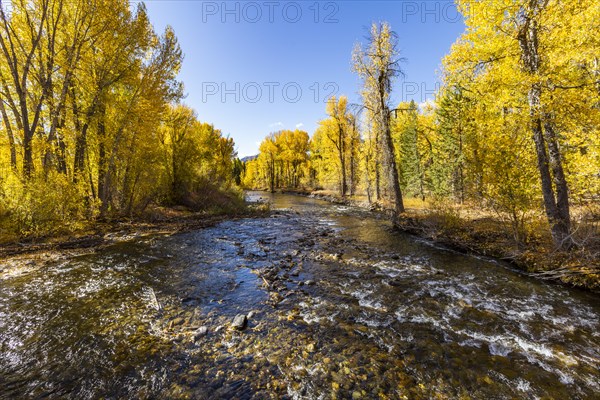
341	306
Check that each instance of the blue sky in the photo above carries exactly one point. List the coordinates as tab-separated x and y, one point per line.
255	67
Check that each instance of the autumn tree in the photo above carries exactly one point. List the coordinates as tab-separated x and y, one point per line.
87	89
519	59
268	157
377	66
336	142
293	147
281	163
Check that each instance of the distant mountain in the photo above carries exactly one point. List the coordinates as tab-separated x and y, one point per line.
249	158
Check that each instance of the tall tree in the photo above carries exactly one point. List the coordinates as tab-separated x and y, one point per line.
25	36
337	141
377	66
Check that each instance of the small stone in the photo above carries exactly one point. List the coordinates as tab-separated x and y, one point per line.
179	338
310	348
201	332
356	395
309	283
251	314
239	322
395	282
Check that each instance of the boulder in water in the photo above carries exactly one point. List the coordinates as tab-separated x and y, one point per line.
239	322
200	332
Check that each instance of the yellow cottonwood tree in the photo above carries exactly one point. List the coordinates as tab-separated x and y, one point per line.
335	146
533	63
85	91
377	66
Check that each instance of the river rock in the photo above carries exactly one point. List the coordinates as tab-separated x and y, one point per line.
200	332
239	322
175	322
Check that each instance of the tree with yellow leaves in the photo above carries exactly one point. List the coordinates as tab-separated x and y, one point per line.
86	95
335	144
533	64
377	66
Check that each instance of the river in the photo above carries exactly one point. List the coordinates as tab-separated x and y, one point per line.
340	306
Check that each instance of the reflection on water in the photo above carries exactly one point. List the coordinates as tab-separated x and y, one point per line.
340	305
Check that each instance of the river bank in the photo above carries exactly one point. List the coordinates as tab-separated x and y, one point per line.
162	220
470	232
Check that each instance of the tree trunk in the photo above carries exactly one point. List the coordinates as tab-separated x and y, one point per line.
11	137
559	230
103	192
390	161
367	176
27	153
377	182
272	180
343	171
352	171
562	228
548	154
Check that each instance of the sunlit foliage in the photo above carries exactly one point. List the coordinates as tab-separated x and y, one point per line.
88	126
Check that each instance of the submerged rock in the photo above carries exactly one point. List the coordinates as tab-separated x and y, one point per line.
200	333
239	322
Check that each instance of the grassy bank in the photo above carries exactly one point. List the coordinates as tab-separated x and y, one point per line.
475	231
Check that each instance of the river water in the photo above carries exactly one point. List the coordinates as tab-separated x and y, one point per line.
341	306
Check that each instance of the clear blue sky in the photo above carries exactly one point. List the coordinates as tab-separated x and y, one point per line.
247	61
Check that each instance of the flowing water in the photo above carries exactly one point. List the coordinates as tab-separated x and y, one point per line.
341	306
